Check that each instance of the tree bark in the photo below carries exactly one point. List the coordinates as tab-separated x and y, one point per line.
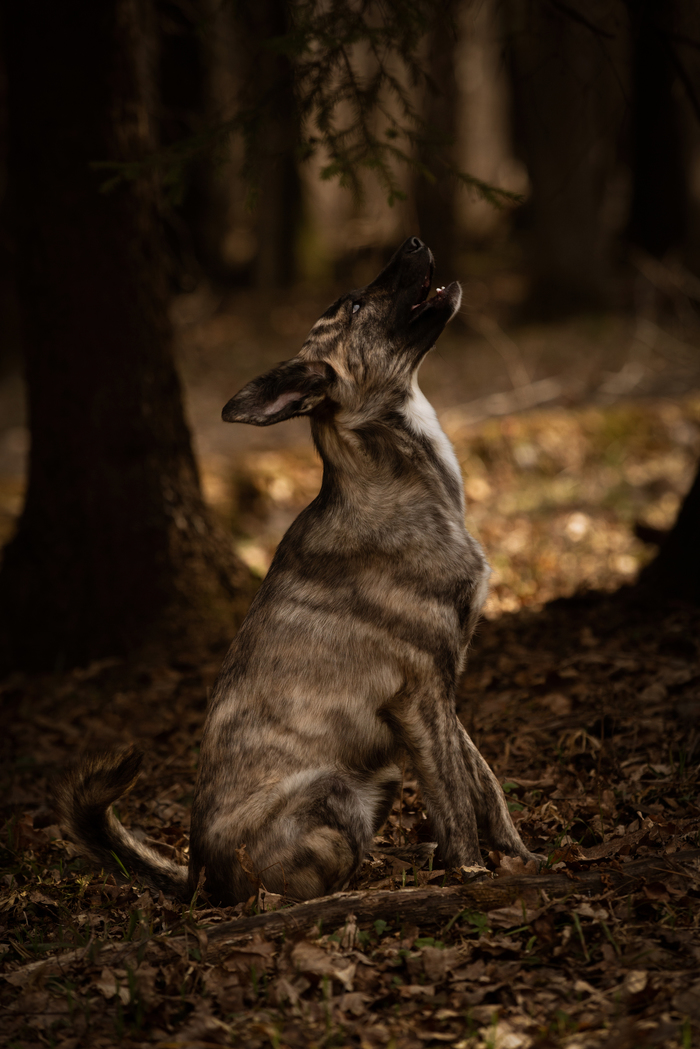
115	548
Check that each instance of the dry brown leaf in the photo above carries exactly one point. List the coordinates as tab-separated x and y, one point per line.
309	958
113	982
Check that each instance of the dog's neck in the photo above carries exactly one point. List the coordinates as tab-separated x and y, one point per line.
422	418
391	456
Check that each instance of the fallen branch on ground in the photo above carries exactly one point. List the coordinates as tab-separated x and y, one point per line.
434	904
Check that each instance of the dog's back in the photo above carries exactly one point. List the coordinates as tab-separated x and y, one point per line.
349	655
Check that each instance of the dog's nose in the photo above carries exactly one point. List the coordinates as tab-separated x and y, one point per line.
415	244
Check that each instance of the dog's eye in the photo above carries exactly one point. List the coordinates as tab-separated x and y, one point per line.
356	306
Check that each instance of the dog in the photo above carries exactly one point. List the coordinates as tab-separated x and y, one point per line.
348	659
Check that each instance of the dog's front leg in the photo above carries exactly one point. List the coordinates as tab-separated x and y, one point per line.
426	726
489	802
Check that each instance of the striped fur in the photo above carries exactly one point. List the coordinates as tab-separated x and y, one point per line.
349	655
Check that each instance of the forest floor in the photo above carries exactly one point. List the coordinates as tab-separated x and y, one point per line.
587	705
582	694
589	713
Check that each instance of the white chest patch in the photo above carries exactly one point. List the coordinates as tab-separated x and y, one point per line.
422	419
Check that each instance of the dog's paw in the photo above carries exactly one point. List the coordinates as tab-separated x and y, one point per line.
523	863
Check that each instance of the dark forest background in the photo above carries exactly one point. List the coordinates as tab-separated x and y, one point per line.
549	152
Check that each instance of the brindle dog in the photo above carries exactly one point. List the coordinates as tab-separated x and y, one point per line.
350	653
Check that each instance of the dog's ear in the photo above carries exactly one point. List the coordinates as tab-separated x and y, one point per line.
292	388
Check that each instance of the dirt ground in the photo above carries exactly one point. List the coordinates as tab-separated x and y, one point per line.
582	692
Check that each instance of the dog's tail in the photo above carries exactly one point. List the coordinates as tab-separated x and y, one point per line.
85	795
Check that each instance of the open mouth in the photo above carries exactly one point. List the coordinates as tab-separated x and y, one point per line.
424	288
441	296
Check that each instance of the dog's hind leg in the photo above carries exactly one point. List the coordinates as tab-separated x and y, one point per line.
317	842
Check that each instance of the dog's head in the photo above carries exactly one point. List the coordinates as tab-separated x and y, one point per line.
364	349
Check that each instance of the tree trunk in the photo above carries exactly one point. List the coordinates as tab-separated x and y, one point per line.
567	109
199	77
269	93
658	215
115	548
435	201
659	222
675	571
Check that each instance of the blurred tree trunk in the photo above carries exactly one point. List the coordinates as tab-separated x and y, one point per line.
9	320
220	218
182	112
270	89
659	218
658	215
435	201
567	109
214	60
115	548
200	64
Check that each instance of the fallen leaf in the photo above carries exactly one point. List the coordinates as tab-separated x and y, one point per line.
113	982
635	981
308	958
